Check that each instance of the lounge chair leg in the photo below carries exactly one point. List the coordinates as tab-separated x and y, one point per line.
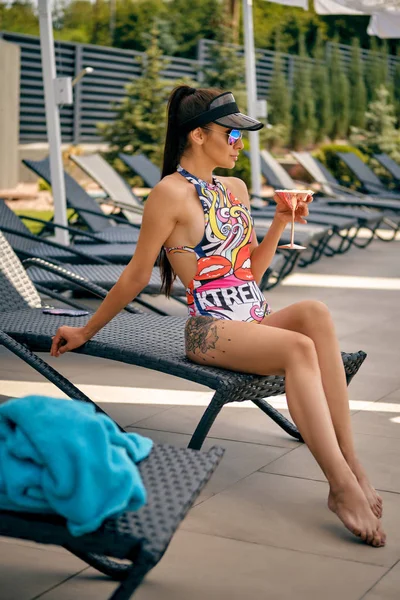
116	570
133	580
392	225
279	419
206	421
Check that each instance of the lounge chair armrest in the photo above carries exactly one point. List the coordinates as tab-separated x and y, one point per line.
73	230
95	289
108	217
34	238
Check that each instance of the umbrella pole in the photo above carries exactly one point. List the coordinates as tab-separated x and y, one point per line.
251	85
52	119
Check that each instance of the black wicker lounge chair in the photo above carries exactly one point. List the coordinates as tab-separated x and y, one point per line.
173	478
346	225
96	251
118	191
150	341
142	166
390	165
89	213
339	198
370	182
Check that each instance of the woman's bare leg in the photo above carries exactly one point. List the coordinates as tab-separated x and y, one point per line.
267	350
313	319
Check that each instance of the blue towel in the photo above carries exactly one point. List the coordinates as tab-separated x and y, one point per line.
61	456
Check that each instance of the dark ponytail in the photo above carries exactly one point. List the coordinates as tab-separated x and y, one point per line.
184	103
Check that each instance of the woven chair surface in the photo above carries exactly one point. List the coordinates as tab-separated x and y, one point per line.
123	234
142	166
173	478
151	341
112	183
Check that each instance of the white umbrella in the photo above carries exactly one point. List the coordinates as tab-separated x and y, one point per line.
385	14
384	25
330	7
298	3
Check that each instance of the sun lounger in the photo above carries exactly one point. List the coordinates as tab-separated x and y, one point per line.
345	227
371	183
390	165
118	191
146	340
86	207
142	166
173	478
339	198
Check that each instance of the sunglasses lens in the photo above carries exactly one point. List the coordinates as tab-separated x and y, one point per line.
234	136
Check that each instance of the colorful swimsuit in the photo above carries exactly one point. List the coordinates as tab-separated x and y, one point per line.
224	286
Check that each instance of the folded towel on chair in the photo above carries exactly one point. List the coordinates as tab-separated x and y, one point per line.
61	456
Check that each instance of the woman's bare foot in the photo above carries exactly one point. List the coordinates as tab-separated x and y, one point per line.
374	499
350	505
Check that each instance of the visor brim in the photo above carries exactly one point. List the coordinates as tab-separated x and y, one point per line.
239	121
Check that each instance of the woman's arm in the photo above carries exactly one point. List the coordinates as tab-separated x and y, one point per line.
263	253
159	219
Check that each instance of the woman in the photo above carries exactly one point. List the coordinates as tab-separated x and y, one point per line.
204	228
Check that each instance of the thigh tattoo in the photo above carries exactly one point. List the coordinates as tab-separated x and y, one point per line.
201	334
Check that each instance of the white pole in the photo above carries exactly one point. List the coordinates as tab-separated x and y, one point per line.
251	84
52	119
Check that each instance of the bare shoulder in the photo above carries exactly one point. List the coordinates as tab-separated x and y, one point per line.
167	194
238	188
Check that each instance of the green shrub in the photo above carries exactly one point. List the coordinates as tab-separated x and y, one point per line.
43	186
327	155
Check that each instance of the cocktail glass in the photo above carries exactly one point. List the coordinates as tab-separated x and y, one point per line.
291	198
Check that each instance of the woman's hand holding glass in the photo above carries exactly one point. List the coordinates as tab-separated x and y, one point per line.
292	206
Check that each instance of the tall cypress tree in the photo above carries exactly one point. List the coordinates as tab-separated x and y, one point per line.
303	106
226	68
340	94
279	95
322	93
133	130
358	93
396	91
374	77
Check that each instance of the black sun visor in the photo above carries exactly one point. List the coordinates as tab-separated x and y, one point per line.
224	111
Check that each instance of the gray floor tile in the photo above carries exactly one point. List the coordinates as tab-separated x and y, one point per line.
388	588
27	570
371	386
291	513
379	456
381	419
240	458
127	414
204	567
233	423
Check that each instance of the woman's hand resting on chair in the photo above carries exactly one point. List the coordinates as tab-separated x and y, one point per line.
67	339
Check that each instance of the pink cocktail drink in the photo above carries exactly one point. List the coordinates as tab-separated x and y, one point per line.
291	198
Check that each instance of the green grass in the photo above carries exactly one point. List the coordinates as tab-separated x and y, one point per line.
46	215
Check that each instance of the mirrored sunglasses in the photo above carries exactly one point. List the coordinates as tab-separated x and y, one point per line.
233	135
